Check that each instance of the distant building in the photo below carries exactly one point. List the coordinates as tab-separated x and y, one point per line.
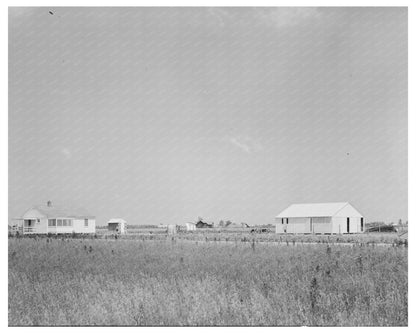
56	220
202	225
118	226
172	228
190	226
320	218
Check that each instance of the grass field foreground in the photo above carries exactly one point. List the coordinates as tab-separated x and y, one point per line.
107	282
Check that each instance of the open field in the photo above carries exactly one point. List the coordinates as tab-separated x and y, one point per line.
116	282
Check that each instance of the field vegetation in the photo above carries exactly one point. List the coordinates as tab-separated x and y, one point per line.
173	282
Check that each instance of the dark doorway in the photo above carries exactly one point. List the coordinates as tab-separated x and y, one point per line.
362	224
348	225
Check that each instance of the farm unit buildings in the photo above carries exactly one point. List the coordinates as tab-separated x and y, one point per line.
51	219
320	218
118	226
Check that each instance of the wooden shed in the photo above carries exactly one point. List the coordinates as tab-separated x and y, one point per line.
320	218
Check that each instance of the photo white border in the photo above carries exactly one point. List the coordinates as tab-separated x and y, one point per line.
227	3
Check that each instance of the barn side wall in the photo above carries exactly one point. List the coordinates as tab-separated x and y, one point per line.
298	225
339	225
279	226
321	225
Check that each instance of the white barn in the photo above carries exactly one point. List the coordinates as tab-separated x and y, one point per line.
320	218
117	225
56	220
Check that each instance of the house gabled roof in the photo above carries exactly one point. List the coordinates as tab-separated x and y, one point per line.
313	209
55	212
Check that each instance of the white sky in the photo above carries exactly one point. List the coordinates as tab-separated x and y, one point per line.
161	115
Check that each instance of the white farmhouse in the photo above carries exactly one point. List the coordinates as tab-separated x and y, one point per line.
118	226
56	220
320	218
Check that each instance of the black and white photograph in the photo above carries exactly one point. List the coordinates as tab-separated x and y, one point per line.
241	166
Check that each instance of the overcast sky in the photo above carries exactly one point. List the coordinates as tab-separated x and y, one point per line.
161	115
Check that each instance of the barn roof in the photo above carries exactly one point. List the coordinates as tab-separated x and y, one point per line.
313	209
53	211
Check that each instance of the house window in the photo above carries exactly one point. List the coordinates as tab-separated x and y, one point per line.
69	223
59	223
283	221
287	220
362	224
86	223
52	223
38	221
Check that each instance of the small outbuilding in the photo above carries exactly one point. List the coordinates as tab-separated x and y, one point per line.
320	218
117	225
172	229
190	226
204	225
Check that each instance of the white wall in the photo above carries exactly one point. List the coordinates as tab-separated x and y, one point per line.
279	226
298	225
78	225
41	227
339	225
321	225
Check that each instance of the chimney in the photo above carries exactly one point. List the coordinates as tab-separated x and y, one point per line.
49	203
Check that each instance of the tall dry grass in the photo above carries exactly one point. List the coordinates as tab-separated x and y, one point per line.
98	282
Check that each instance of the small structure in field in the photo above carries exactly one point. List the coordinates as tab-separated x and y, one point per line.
203	225
56	220
320	218
190	226
172	229
117	225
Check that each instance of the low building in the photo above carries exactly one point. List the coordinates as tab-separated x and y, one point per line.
117	225
203	225
172	228
320	218
56	220
190	226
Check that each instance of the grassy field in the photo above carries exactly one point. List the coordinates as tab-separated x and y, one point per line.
245	235
127	282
